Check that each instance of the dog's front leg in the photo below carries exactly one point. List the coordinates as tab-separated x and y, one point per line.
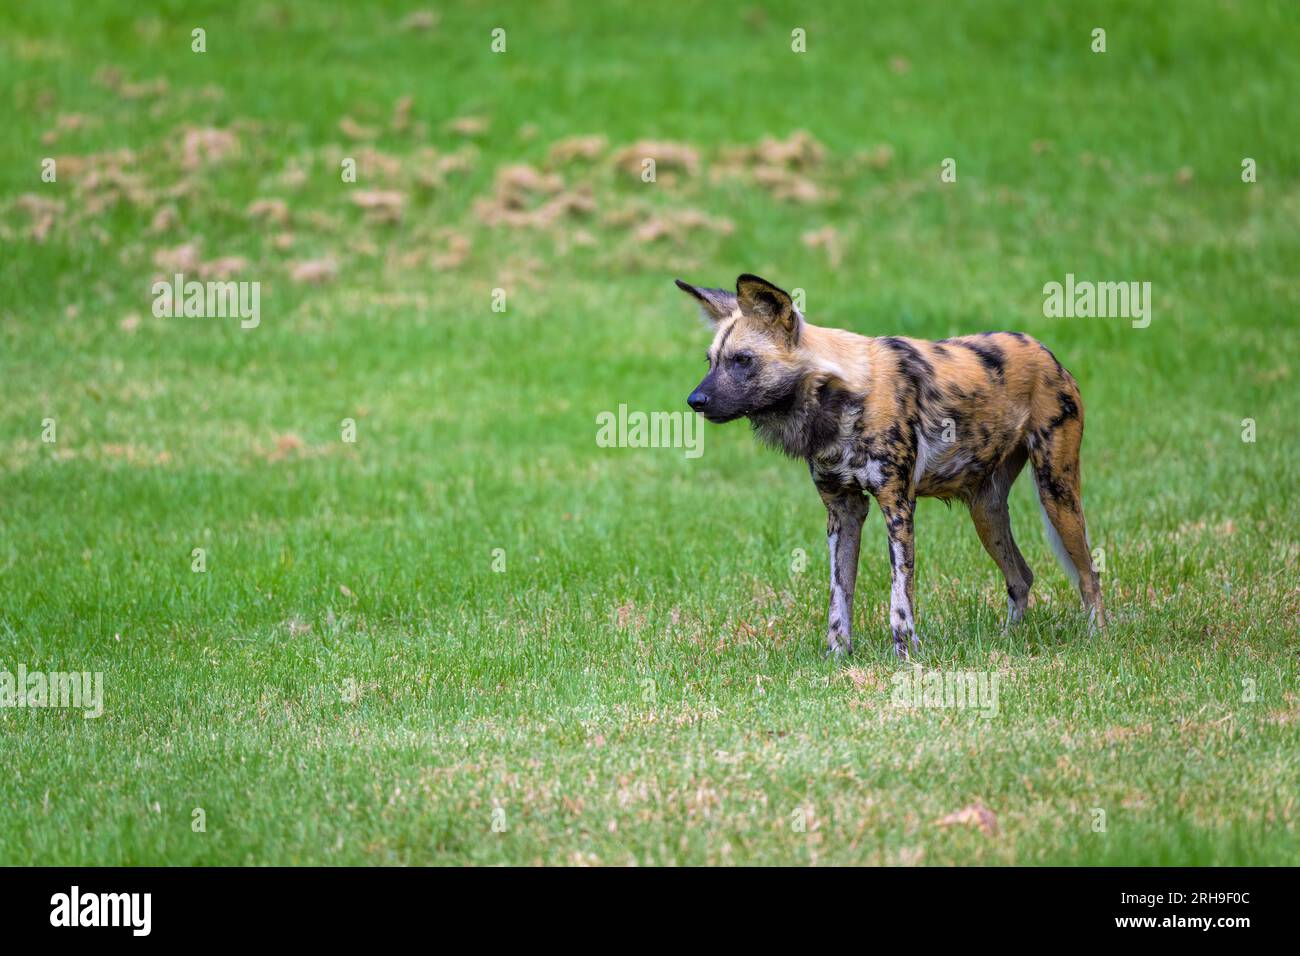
845	512
898	506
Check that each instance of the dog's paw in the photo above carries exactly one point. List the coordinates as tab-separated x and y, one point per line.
838	646
1096	622
907	643
1015	614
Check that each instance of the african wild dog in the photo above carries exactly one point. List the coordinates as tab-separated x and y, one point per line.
899	418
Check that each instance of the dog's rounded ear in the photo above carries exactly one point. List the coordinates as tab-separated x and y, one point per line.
773	306
715	304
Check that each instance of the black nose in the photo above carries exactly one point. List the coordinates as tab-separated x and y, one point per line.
697	401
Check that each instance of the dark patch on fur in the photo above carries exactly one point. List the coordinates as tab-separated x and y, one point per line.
723	344
807	419
1069	411
830	404
915	369
991	357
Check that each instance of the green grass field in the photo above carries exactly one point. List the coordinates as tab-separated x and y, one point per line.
475	636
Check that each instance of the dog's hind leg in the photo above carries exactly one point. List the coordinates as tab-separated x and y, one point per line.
988	509
1054	454
845	513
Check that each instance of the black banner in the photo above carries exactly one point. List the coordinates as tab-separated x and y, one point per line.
337	905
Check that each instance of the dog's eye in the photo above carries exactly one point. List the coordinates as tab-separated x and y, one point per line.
743	359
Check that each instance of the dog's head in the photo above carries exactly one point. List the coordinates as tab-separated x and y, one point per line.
753	362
